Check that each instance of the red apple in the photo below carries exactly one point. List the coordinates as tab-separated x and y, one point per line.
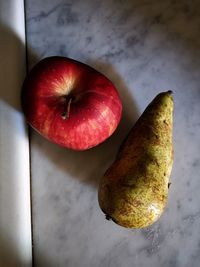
70	103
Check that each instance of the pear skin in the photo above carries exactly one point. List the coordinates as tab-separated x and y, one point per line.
134	190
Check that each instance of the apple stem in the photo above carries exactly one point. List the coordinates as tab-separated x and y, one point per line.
65	114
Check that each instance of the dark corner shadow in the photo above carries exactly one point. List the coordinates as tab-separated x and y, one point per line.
89	166
7	252
10	44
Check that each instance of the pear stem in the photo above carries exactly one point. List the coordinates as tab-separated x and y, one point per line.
65	114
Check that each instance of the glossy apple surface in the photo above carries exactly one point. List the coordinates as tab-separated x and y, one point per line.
70	103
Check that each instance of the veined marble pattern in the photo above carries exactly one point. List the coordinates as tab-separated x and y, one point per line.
144	47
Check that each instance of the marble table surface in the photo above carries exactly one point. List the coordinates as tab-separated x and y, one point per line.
144	47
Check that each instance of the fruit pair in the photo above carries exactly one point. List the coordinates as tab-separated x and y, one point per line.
77	107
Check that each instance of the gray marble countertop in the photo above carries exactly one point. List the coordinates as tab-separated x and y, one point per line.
144	47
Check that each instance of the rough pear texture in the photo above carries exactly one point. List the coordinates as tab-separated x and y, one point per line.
134	190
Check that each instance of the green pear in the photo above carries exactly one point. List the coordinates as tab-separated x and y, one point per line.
134	190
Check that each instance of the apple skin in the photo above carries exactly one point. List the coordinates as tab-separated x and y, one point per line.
70	103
